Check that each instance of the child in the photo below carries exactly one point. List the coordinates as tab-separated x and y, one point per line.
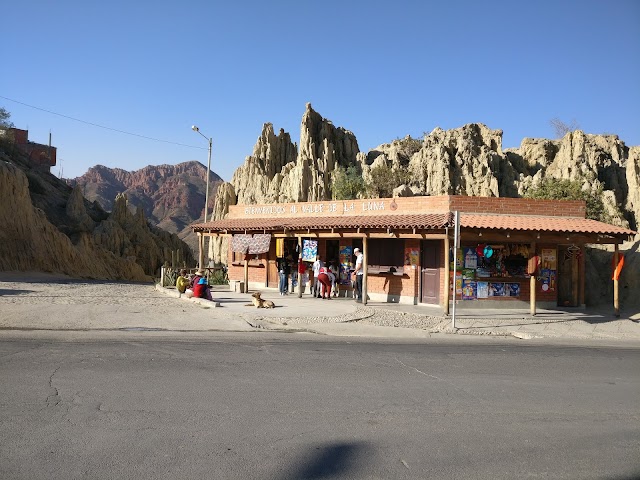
182	282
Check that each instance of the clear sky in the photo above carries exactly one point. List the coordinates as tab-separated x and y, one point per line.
382	69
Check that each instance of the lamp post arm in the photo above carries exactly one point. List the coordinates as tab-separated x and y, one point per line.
206	201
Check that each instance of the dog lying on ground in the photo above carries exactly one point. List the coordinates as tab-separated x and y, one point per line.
259	302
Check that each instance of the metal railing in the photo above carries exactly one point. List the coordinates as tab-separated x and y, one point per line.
214	275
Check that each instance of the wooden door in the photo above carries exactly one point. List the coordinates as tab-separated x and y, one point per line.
430	272
567	276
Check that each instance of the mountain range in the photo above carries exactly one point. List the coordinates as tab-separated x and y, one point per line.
172	197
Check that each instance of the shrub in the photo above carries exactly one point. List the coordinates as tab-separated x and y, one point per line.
556	189
348	183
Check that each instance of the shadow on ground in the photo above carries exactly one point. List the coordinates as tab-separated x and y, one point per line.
15	292
337	460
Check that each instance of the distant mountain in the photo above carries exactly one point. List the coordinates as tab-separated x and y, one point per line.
171	196
49	226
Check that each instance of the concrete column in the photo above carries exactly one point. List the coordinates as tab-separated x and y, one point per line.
200	250
447	274
616	289
532	282
365	262
581	299
298	264
246	273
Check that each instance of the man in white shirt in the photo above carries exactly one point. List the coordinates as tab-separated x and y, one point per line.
317	265
358	274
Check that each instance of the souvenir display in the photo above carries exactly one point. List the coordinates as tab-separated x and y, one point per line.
346	259
482	289
470	258
497	261
548	272
496	289
513	289
411	256
469	289
309	250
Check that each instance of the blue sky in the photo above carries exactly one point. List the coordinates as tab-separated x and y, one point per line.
378	68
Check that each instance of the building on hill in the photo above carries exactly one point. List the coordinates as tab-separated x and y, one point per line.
514	252
41	156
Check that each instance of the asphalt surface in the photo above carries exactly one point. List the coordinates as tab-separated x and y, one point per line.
161	405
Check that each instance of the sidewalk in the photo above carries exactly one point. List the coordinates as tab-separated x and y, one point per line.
344	317
39	301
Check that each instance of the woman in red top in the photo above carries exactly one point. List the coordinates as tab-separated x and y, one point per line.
201	289
325	283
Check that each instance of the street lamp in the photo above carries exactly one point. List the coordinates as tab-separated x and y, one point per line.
206	198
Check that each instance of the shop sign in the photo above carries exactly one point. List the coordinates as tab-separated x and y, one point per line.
305	209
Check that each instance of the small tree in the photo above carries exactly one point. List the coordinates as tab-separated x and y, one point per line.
561	128
4	119
348	183
384	179
555	189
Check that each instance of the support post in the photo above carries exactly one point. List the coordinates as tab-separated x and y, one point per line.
582	300
200	250
456	246
616	290
365	262
447	274
298	267
532	282
246	273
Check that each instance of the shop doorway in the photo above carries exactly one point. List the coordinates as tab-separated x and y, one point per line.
568	275
332	256
430	272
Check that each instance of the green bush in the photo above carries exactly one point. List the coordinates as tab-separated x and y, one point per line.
555	189
384	179
348	183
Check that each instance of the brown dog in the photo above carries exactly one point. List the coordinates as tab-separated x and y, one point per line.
259	302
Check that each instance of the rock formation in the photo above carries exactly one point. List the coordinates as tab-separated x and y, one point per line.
276	172
465	161
47	226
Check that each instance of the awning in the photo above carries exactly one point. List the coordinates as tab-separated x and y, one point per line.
418	221
540	224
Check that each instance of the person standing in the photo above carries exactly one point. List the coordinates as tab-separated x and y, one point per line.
358	274
283	270
325	283
332	279
317	265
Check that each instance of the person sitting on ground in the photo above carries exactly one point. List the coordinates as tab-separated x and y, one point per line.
202	290
182	282
196	278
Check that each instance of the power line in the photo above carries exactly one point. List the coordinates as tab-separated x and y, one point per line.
102	126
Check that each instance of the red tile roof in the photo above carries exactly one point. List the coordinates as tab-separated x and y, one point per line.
540	223
421	221
418	221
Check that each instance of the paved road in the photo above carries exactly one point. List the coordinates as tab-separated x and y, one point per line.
279	406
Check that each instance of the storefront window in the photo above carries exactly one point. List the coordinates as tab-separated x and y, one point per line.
386	254
491	270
